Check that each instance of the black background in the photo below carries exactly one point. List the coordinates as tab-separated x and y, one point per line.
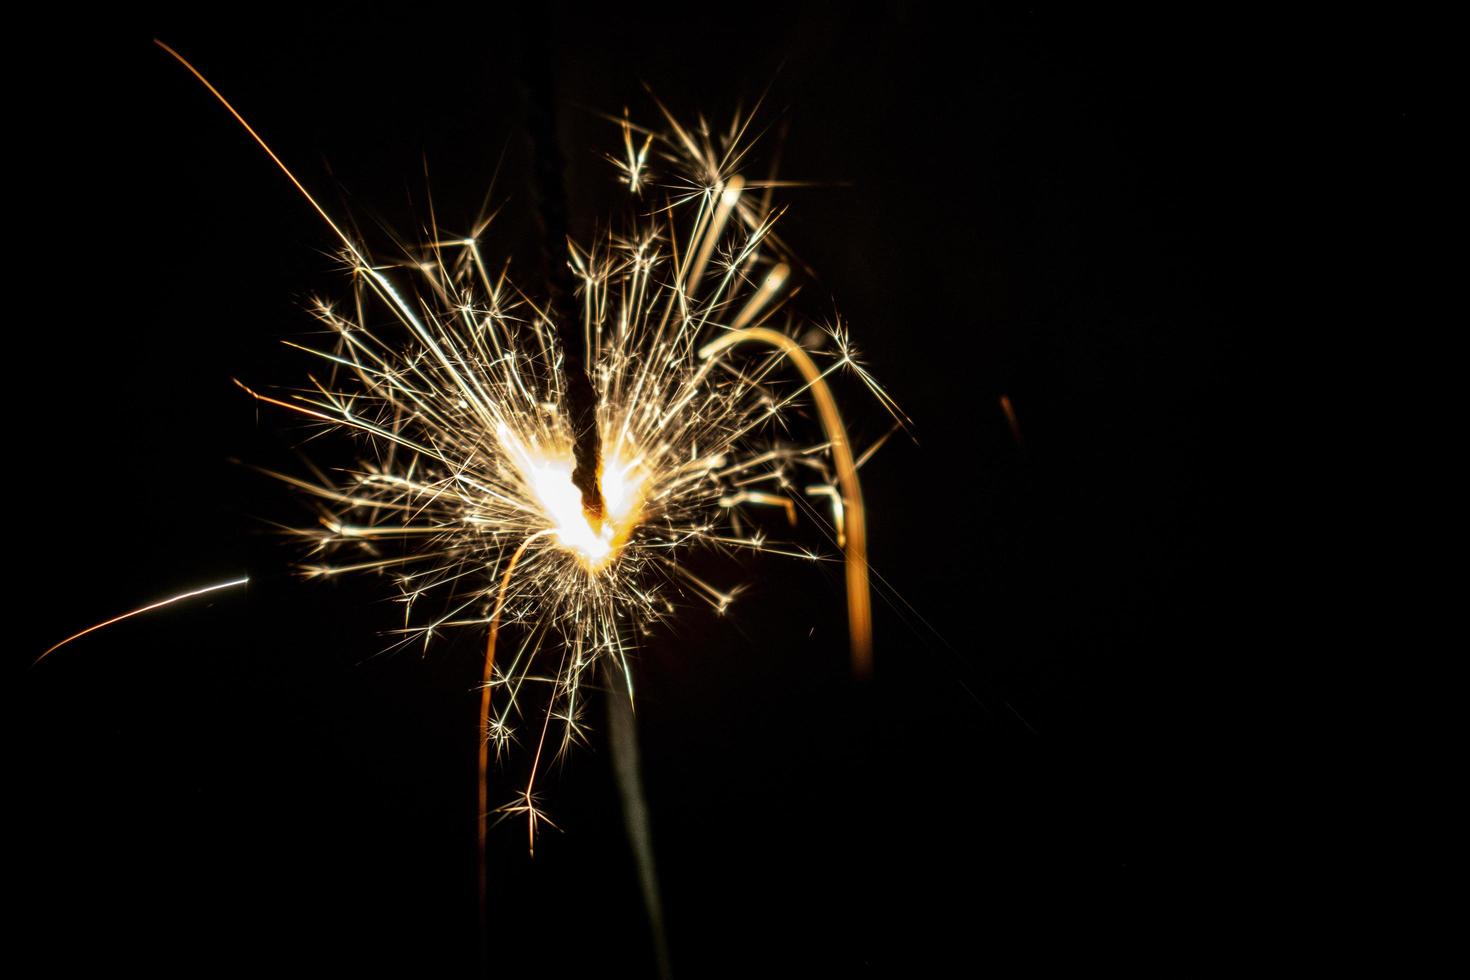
1020	203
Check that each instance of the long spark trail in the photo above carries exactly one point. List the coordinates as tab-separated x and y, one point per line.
160	604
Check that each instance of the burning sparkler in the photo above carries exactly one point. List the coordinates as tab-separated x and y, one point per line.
482	497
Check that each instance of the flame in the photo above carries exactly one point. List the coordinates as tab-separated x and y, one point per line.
548	474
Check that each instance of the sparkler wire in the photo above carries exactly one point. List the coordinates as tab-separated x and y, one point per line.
547	167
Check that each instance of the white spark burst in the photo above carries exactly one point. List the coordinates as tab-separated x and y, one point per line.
454	382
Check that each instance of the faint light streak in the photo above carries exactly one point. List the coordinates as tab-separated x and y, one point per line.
193	593
1010	413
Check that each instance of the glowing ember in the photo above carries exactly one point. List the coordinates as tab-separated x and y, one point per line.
595	541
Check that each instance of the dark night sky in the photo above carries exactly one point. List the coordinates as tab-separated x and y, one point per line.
1018	204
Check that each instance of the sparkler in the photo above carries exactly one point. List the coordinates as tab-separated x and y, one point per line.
473	490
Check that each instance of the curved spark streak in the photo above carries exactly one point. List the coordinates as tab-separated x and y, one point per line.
853	525
233	583
483	814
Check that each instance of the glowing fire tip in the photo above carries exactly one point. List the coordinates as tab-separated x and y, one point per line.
595	543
